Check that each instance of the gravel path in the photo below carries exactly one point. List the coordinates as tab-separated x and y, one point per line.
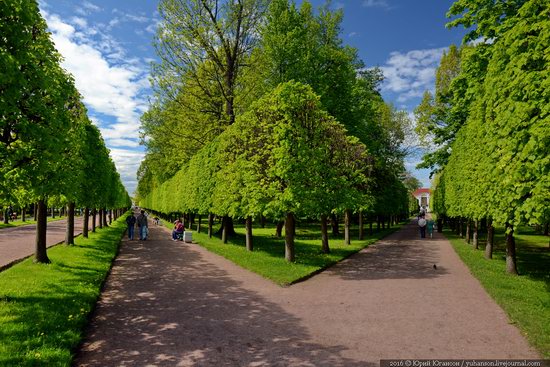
17	243
172	304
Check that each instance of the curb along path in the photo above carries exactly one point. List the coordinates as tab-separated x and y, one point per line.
170	303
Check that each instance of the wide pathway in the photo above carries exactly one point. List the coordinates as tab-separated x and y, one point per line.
173	304
19	242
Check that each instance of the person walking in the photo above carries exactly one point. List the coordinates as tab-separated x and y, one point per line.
131	222
422	225
430	227
142	225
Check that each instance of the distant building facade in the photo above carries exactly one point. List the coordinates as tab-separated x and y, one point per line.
423	197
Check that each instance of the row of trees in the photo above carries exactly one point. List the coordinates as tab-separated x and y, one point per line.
262	111
49	148
490	119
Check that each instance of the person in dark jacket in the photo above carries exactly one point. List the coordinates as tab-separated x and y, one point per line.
131	222
142	224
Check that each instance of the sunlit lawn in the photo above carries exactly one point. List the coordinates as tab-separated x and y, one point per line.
44	308
525	298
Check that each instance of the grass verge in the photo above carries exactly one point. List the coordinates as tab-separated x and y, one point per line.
44	307
268	257
525	298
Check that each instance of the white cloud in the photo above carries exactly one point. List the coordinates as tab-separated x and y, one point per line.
81	22
352	34
112	86
410	74
86	8
376	4
127	163
120	142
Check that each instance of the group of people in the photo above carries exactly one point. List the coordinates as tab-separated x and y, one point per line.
141	221
143	228
425	224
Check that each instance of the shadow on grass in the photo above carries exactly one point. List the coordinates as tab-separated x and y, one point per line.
308	244
44	308
532	252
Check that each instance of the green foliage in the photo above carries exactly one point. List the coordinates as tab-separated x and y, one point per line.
44	308
212	150
285	155
499	166
43	123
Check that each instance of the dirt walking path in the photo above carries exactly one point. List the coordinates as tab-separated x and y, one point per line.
172	304
19	242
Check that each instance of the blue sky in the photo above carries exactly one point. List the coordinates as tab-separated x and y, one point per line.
107	46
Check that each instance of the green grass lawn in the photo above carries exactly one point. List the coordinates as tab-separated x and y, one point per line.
19	222
525	298
44	308
268	257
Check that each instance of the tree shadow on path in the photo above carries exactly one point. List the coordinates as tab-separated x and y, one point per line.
402	255
164	304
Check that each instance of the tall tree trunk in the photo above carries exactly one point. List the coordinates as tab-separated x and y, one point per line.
334	223
100	218
105	217
34	211
490	237
210	222
377	223
248	224
370	227
94	212
347	220
361	229
460	227
6	215
475	243
439	224
468	230
86	222
324	235
511	266
40	255
53	212
279	229
546	228
483	226
224	229
111	216
289	237
199	224
24	213
227	221
69	235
